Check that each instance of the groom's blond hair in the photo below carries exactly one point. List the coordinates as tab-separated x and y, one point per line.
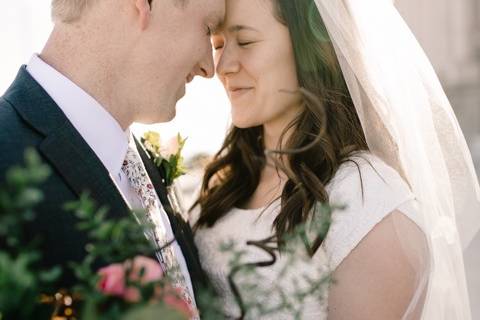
69	10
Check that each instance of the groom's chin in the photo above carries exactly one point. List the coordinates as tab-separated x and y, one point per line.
168	114
171	116
161	116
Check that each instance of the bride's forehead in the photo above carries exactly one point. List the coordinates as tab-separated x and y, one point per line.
249	12
251	7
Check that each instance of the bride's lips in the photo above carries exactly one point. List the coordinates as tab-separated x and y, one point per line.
236	92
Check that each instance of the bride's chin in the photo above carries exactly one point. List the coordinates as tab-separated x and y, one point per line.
244	123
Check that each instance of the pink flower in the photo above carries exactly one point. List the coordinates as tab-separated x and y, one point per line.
113	282
172	298
171	147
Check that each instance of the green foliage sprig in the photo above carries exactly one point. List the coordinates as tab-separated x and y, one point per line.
24	287
21	281
169	162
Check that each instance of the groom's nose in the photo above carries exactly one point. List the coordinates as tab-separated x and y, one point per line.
205	67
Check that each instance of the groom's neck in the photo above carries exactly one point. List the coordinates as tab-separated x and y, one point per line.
83	55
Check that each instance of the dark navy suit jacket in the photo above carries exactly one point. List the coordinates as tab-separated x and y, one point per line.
30	118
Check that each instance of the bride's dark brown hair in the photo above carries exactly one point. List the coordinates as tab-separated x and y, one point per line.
325	133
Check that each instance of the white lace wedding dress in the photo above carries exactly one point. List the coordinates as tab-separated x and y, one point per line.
370	191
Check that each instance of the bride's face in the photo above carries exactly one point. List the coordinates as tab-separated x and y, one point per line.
254	59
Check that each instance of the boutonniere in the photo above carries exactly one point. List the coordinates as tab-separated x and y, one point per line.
168	158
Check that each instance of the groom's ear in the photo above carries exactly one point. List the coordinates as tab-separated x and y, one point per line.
143	9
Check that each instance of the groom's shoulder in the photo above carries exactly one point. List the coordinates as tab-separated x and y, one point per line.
14	127
6	108
7	113
15	136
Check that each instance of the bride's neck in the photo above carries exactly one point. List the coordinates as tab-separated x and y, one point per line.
276	163
272	136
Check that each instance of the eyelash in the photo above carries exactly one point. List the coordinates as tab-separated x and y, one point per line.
241	44
244	44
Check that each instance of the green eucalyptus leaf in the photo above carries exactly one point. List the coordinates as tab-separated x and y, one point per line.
154	312
50	275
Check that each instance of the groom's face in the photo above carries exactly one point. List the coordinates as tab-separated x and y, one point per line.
172	47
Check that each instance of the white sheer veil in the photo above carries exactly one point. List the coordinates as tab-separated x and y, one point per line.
409	123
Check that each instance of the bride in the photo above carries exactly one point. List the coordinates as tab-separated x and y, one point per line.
333	101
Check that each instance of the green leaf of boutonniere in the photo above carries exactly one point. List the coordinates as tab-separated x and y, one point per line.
170	163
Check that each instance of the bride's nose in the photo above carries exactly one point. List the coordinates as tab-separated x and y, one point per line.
227	62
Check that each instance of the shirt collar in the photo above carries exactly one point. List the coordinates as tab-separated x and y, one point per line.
98	128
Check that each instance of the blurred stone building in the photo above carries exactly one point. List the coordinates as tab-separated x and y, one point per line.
449	31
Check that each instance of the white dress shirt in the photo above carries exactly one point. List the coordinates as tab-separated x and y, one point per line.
102	133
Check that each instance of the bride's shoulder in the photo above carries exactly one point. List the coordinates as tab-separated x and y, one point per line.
368	190
364	174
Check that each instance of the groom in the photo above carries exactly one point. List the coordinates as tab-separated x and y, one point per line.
107	64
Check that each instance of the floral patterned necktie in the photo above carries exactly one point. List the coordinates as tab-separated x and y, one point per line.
136	173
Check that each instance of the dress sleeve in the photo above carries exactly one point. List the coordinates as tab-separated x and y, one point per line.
376	246
369	190
384	276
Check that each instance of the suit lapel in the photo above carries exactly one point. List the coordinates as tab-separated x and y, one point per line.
63	146
181	229
71	157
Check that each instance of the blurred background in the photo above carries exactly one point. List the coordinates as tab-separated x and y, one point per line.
449	31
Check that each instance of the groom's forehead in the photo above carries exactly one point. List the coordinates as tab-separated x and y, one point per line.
217	19
214	10
182	3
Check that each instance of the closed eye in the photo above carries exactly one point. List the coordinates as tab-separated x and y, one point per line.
246	43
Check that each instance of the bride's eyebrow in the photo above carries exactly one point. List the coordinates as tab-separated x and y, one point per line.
239	27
